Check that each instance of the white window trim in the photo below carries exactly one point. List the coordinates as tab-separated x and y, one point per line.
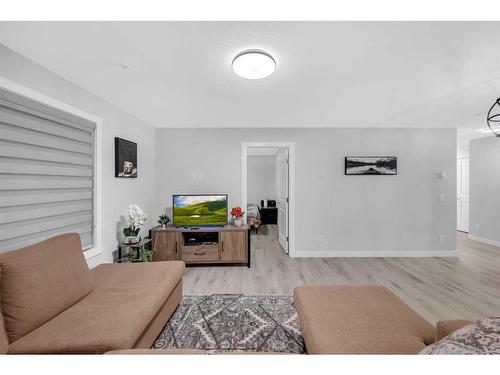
44	99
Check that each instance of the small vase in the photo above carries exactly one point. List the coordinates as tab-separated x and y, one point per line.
132	239
237	222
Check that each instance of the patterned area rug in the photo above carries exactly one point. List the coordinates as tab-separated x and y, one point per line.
234	322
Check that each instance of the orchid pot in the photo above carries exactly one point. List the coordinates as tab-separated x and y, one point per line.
132	239
136	219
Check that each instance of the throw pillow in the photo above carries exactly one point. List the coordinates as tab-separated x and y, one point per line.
482	337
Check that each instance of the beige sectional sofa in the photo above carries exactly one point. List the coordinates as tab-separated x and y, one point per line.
52	303
346	319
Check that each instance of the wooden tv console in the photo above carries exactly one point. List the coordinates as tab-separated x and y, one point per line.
202	246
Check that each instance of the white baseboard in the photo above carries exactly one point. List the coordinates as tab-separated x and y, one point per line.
484	240
373	254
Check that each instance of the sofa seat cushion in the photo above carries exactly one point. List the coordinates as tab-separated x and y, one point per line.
359	320
125	300
41	281
4	342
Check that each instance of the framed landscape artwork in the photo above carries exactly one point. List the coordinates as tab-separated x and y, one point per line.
371	165
125	158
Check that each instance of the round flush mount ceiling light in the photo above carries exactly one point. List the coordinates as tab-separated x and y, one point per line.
254	64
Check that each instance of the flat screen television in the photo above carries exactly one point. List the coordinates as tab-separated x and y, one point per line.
200	210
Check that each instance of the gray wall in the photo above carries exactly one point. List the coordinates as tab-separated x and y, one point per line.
484	214
372	215
117	193
261	178
357	215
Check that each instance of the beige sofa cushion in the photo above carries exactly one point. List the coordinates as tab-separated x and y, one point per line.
446	327
40	281
125	300
359	320
4	342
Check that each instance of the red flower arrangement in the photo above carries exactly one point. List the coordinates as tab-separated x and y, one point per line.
237	212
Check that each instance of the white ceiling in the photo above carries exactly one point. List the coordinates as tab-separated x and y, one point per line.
329	74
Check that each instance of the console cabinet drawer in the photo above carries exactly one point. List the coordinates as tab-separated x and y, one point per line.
207	253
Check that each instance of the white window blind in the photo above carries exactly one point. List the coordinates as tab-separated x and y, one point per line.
46	173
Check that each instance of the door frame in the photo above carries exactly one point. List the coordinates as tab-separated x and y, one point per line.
461	159
291	183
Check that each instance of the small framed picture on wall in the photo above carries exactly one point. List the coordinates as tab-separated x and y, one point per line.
371	165
125	158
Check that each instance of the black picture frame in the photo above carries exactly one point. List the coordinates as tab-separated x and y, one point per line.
371	165
125	158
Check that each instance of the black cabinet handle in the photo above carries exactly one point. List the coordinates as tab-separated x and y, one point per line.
222	246
176	247
199	253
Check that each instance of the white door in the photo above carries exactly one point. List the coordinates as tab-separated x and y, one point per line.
282	203
463	195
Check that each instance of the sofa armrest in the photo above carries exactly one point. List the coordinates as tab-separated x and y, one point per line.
157	351
446	327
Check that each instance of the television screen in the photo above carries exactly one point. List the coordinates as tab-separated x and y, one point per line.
200	210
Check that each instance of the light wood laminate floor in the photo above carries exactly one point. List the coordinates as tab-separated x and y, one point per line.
438	288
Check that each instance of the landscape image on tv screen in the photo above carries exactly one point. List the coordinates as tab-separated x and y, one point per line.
199	210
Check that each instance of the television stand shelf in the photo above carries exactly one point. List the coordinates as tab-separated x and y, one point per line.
203	246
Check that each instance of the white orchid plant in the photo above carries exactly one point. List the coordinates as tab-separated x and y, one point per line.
136	219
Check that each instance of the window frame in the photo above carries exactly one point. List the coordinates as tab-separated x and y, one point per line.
18	89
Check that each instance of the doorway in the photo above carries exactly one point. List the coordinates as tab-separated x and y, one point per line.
279	200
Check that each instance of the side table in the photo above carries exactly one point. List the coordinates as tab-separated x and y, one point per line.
131	247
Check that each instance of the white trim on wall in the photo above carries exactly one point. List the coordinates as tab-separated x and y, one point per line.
47	100
291	183
484	240
374	254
